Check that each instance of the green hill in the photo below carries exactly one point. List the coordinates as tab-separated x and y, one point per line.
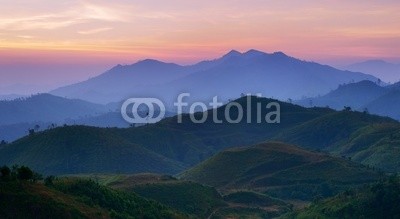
194	199
192	143
281	170
169	147
75	199
380	200
80	149
368	139
188	197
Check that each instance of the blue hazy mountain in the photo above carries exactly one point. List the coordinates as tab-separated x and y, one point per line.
354	95
362	96
116	83
386	105
46	108
11	96
274	75
388	72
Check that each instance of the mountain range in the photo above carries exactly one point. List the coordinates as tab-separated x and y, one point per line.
45	108
42	111
388	72
362	96
229	76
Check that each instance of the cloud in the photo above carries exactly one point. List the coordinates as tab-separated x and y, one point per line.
25	36
45	21
102	13
94	31
82	13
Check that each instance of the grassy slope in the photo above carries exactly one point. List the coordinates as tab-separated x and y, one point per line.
197	200
75	199
284	171
368	139
380	200
188	197
79	149
192	143
168	147
26	201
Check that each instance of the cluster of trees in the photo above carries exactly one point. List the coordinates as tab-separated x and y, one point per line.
21	173
379	200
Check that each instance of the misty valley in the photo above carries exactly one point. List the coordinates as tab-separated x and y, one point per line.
199	109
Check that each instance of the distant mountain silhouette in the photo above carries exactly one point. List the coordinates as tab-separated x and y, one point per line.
274	75
116	83
354	95
45	108
362	96
386	105
11	96
388	72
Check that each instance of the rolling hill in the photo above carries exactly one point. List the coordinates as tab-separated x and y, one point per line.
281	170
368	139
80	149
380	200
362	96
194	199
354	95
386	105
191	143
249	72
188	197
169	146
75	199
46	108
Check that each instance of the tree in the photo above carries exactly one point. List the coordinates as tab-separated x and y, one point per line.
5	172
3	142
49	181
31	131
24	173
347	108
36	177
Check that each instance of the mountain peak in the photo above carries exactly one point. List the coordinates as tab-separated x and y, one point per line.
232	53
253	52
279	53
149	62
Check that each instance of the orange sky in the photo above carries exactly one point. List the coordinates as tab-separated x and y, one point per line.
98	34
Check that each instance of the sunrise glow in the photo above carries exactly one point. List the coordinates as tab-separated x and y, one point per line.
99	34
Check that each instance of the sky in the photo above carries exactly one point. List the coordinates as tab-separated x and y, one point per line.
45	43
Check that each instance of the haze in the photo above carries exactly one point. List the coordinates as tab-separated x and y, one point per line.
45	44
